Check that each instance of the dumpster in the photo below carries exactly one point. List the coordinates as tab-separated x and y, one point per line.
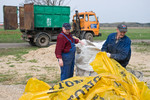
39	24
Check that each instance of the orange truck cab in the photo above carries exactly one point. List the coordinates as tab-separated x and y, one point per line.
85	25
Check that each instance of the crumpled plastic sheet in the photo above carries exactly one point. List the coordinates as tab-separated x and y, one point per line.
113	82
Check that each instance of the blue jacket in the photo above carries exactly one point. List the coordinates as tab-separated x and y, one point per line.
120	51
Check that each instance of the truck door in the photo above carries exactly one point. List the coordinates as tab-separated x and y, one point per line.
94	24
29	16
10	17
21	17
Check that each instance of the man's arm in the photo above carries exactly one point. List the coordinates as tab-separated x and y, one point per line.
59	48
77	40
123	52
105	45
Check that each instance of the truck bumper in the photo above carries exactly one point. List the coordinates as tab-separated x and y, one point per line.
100	34
26	37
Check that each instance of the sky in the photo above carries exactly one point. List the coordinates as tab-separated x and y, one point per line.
108	11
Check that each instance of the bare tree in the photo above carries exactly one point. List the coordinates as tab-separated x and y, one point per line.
48	2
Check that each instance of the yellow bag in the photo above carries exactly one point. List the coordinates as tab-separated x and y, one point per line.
113	82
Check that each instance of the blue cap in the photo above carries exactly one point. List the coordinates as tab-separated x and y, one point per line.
122	27
67	26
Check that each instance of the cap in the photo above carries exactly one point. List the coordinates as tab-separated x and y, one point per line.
67	26
122	27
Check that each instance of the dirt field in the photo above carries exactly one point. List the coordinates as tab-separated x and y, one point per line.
140	61
43	65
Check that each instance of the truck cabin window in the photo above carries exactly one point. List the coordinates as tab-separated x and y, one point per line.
81	16
92	18
86	18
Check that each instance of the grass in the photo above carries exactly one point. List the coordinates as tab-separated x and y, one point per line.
18	52
19	57
146	71
14	36
10	36
141	47
28	76
35	68
43	77
8	63
133	34
7	76
33	61
24	79
48	68
147	75
11	65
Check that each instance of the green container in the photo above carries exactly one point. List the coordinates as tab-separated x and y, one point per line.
51	16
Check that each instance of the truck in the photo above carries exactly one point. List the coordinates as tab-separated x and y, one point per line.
40	24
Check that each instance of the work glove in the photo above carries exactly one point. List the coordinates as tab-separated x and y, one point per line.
108	54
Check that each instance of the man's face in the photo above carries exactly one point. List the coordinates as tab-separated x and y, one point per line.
66	31
120	34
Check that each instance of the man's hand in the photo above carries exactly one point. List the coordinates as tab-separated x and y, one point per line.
81	42
60	62
108	54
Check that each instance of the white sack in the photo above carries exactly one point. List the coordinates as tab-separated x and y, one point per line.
85	55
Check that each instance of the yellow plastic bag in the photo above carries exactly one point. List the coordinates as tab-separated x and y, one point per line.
113	82
134	88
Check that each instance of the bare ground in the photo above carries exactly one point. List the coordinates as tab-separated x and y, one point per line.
43	65
140	61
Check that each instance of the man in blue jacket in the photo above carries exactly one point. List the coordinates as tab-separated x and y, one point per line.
118	46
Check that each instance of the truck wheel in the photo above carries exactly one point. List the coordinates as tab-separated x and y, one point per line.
43	40
31	42
89	36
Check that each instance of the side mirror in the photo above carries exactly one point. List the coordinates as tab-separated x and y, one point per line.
97	18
